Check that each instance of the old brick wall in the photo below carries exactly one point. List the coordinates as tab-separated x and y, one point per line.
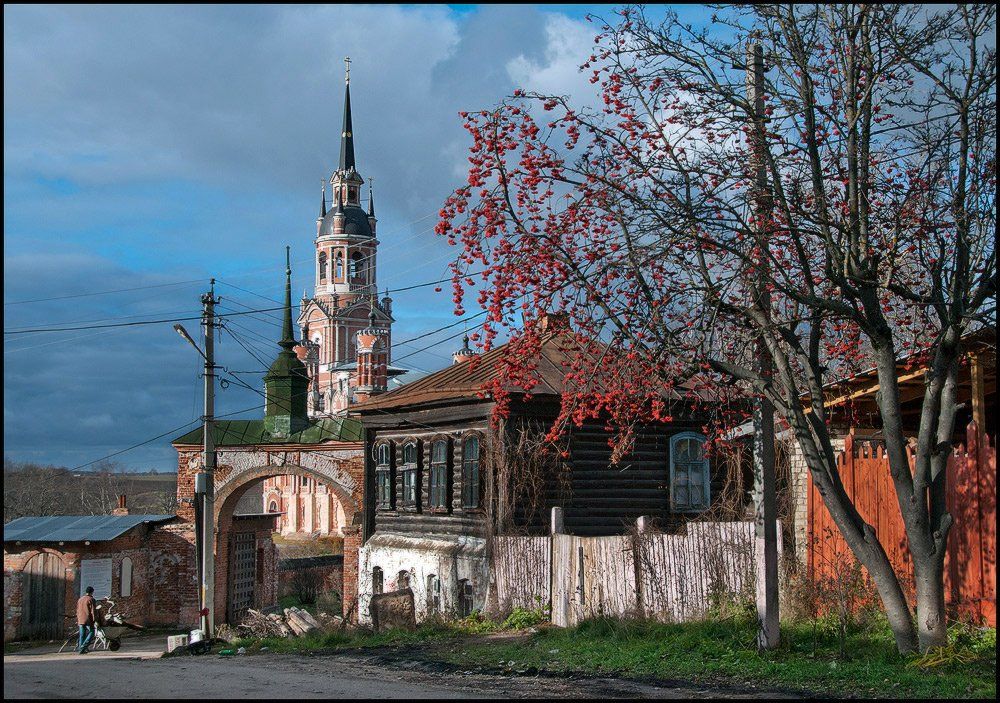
164	589
327	570
173	576
352	543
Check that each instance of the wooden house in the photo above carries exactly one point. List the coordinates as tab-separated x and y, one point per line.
440	479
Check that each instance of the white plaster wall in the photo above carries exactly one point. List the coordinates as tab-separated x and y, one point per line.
451	560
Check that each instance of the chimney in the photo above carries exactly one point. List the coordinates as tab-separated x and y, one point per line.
552	321
373	362
122	509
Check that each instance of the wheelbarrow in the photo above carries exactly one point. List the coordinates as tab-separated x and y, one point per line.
109	628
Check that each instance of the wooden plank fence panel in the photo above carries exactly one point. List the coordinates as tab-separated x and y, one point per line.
970	565
521	571
986	479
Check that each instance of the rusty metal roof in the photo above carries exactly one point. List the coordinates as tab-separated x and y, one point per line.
467	379
76	528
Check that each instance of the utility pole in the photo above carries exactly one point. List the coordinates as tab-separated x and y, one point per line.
765	502
208	324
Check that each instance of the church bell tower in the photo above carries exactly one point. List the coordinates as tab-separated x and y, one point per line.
345	299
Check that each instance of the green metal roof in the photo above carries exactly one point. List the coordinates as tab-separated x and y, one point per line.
231	433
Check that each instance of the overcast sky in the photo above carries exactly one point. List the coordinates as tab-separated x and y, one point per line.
152	146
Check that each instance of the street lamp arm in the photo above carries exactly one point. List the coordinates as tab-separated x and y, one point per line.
184	333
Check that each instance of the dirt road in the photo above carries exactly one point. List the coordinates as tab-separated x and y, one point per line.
136	674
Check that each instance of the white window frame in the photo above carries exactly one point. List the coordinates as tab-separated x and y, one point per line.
125	577
410	471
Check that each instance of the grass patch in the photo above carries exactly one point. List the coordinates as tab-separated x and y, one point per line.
318	643
724	651
429	632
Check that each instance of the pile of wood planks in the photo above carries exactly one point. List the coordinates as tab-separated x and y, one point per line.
294	622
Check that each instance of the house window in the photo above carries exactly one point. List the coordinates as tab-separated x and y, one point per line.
689	474
402	580
322	266
433	594
383	475
409	470
125	578
439	474
470	472
465	602
377	580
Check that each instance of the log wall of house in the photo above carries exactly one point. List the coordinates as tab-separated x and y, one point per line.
598	499
399	428
606	499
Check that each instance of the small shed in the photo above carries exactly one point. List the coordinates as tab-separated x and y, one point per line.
49	560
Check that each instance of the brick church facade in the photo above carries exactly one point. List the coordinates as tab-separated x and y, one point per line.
344	303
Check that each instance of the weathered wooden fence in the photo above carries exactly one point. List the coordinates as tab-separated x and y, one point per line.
667	577
521	571
970	560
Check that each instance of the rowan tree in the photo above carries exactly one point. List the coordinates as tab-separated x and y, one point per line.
848	223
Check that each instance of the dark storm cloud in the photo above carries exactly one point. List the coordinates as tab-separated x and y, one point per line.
146	145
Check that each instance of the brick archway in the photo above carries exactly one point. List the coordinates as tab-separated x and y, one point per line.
339	466
227	494
227	497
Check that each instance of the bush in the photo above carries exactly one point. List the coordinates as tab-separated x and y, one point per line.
523	618
305	585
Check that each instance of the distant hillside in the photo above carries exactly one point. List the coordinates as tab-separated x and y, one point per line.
32	489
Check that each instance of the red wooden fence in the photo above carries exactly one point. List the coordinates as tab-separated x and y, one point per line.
970	559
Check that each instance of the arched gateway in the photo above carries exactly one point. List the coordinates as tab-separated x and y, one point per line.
286	441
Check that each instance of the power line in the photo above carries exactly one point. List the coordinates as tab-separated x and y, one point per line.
159	436
103	292
136	323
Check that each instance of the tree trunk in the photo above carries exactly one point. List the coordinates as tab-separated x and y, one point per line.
873	557
932	624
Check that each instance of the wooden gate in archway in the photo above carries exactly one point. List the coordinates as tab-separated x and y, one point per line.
43	598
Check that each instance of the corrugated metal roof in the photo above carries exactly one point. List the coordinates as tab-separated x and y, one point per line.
75	528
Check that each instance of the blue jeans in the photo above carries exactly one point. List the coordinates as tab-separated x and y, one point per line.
86	635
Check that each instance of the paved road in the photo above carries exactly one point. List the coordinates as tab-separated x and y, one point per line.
137	672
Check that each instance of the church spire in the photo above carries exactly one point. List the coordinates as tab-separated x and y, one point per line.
322	210
286	384
371	197
347	134
287	336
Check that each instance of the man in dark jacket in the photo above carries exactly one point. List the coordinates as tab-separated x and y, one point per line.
86	619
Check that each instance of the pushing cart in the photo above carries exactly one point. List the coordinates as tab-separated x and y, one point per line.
109	627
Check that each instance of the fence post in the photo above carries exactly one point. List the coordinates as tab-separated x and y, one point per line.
643	525
557	527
